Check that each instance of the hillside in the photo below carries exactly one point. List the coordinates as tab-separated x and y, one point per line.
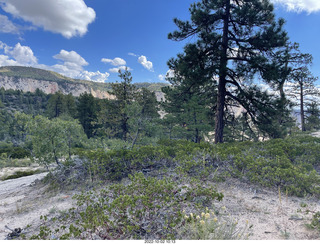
29	79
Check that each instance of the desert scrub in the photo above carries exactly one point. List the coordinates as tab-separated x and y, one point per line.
19	174
288	163
119	163
315	222
9	162
144	208
212	225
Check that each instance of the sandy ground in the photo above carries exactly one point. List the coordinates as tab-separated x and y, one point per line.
22	202
273	217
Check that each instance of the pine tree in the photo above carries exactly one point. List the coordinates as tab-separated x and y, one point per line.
56	106
313	117
124	92
302	89
187	111
237	38
87	109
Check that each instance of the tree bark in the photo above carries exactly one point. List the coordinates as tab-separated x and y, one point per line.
303	126
219	126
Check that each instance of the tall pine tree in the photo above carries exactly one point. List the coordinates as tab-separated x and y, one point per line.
124	92
237	37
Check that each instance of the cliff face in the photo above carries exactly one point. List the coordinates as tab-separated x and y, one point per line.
49	87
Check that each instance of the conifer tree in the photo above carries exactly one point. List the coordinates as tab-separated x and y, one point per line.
237	37
124	92
313	117
55	106
87	109
302	89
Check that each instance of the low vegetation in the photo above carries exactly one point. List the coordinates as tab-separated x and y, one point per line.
166	190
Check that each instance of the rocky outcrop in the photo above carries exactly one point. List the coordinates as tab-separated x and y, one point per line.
49	87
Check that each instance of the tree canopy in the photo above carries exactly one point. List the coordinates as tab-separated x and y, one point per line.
235	43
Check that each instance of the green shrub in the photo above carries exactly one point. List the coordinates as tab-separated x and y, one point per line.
145	208
315	222
212	226
19	174
288	163
15	152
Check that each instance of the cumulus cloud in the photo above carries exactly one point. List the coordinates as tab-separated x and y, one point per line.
72	64
6	26
22	55
145	63
115	61
73	67
67	17
6	61
169	74
300	5
162	77
94	76
71	57
116	70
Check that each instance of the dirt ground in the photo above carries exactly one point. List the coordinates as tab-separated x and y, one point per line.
23	201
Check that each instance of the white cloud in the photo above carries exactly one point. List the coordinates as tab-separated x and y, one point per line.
115	61
116	70
23	55
6	61
72	65
68	17
133	54
162	77
145	63
71	57
94	76
300	5
169	74
6	26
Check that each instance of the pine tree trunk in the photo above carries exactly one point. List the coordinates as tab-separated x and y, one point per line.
303	127
222	79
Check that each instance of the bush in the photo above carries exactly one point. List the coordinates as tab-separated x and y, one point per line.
212	225
15	152
288	163
20	174
145	208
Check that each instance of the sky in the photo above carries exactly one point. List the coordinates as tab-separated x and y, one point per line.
93	39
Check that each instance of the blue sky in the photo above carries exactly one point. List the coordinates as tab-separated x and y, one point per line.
92	39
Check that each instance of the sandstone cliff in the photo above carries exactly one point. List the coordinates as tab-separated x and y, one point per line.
49	86
29	79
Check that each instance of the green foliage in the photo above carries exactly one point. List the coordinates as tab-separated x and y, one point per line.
188	113
119	163
145	208
87	109
19	174
212	226
286	163
15	152
26	102
313	117
59	104
315	222
52	140
125	93
9	162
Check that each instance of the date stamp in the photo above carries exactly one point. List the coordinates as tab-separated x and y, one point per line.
160	241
